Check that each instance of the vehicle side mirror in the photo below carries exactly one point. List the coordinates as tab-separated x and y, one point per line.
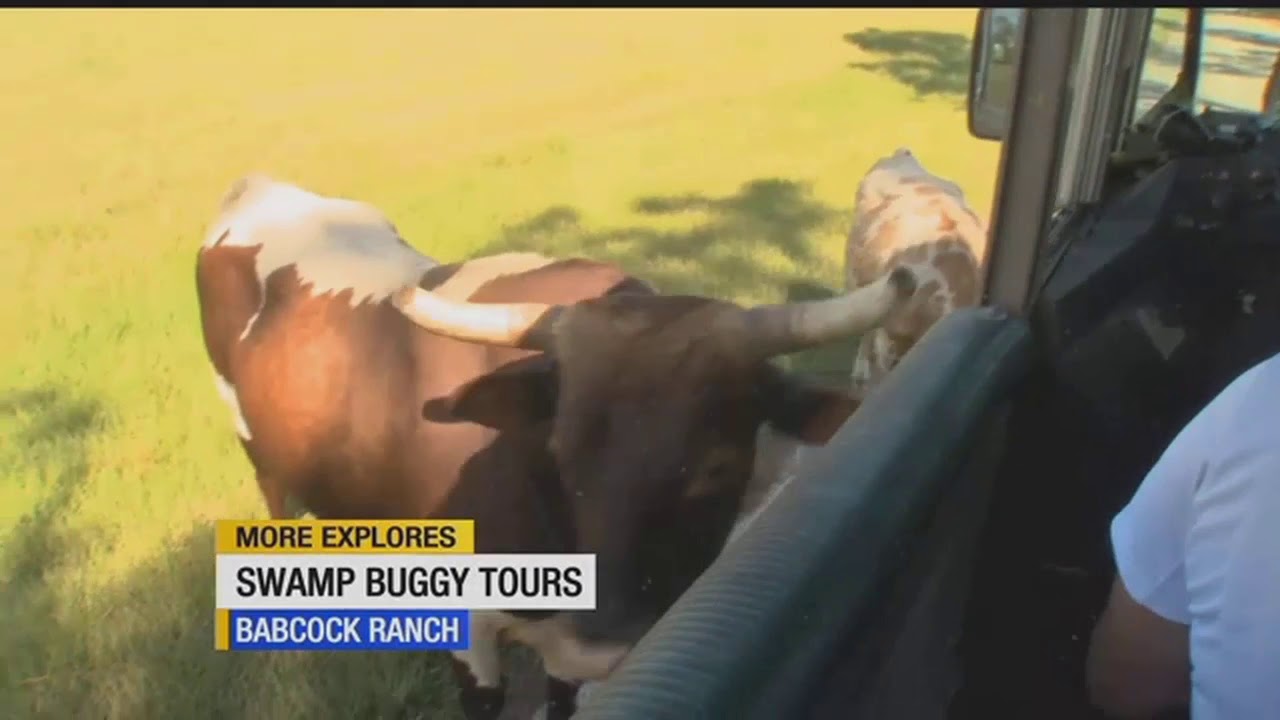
997	42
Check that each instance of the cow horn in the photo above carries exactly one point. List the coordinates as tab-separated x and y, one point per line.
518	325
790	327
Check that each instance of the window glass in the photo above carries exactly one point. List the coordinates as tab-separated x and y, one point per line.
1163	57
1239	59
1006	23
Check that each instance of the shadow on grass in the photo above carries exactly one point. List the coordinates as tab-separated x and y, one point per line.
1243	61
142	646
45	433
1266	14
719	255
929	62
760	237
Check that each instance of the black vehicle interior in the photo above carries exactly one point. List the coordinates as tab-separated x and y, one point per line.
1151	302
789	623
949	554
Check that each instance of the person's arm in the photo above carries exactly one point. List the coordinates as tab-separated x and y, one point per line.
1233	561
1197	554
1139	662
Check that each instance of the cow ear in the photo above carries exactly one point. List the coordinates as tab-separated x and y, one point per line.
808	413
517	394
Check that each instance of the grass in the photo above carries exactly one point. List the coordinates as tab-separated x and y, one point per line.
709	151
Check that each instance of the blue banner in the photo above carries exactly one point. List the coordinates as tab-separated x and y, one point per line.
344	630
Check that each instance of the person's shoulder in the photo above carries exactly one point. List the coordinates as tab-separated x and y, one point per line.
1254	391
1242	421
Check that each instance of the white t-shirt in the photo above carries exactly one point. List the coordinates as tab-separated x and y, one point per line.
1199	544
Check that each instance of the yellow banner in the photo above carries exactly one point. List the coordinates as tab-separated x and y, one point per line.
254	537
221	629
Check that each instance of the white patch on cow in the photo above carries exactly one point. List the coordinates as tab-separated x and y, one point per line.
228	393
334	244
249	325
861	371
564	655
892	215
483	658
471	274
888	174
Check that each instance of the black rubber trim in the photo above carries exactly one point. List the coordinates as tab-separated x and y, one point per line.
774	604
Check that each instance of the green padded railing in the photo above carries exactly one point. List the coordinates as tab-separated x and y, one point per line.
772	607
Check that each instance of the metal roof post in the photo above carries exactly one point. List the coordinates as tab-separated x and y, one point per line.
1027	184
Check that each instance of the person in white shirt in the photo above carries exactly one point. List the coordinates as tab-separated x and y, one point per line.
1194	613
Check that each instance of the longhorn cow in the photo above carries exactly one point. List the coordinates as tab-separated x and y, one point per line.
563	404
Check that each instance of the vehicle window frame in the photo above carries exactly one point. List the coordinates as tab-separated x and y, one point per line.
1130	98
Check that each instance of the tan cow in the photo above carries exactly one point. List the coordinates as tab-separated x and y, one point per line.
908	216
905	216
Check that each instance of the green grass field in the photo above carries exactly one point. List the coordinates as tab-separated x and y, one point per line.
710	151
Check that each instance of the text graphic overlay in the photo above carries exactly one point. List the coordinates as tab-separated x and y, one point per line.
346	537
343	630
376	585
406	582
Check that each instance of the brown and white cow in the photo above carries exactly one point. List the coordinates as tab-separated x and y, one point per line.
562	404
907	216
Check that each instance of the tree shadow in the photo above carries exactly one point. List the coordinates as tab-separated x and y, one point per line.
47	431
1245	61
1168	54
927	61
1246	37
142	645
1268	14
754	245
1257	37
718	252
